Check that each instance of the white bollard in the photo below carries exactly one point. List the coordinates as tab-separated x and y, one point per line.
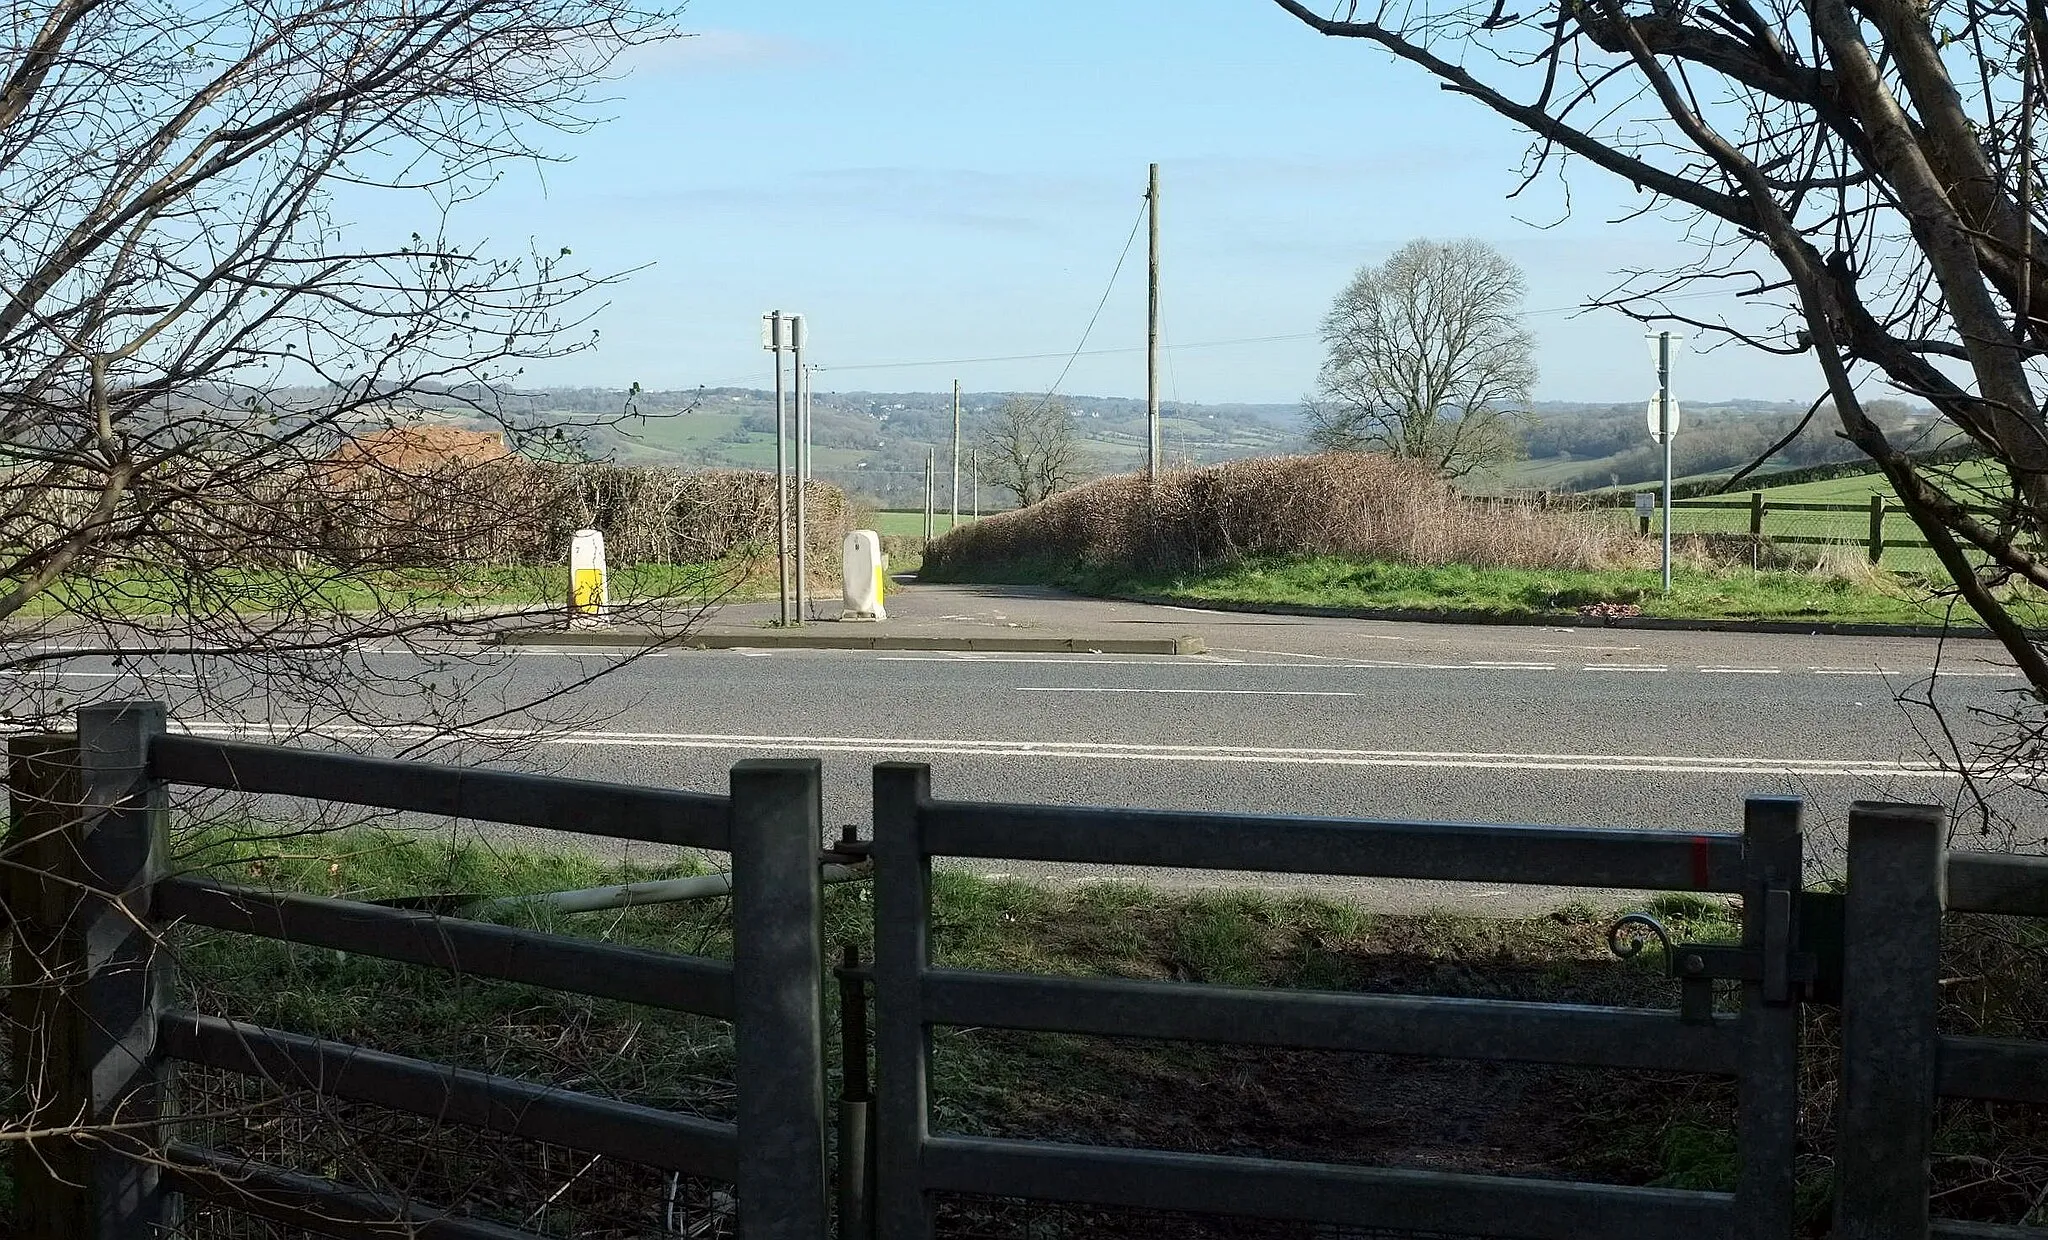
867	574
589	590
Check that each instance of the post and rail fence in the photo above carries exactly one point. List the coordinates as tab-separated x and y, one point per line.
1862	525
89	895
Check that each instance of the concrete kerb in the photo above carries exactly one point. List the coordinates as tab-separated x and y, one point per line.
1564	619
806	639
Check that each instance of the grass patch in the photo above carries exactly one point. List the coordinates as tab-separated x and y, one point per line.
1341	582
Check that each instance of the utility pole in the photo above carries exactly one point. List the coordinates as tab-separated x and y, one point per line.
956	457
803	456
1152	333
975	461
772	329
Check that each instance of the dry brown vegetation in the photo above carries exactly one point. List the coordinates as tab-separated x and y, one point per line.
513	511
1340	503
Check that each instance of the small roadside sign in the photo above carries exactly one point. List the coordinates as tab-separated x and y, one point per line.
1646	505
1655	432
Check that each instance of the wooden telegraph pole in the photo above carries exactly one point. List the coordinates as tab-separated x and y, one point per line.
956	457
1152	332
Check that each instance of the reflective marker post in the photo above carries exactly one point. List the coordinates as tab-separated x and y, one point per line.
589	589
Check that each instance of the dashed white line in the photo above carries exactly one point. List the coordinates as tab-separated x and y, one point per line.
1747	671
1625	667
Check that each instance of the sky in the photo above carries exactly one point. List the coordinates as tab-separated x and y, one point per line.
944	181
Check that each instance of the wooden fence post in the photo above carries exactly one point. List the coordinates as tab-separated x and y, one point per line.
86	841
1876	529
778	986
1891	974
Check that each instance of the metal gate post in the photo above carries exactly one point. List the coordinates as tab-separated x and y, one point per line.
778	998
1767	1091
1891	973
902	1039
85	845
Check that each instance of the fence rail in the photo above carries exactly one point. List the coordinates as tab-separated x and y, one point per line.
1758	1047
90	899
1870	525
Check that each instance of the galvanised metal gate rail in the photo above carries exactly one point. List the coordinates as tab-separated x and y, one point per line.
1895	1062
90	826
1758	1046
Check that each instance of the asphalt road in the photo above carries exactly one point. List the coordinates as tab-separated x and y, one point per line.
1572	726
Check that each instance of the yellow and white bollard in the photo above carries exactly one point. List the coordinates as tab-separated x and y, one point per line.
867	574
589	590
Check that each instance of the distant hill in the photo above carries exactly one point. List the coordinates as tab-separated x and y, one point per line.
874	444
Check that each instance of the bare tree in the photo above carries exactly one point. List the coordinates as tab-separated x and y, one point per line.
1428	359
191	332
1029	448
1866	172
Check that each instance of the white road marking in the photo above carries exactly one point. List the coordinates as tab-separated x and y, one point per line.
102	675
1161	661
1747	671
1214	692
1521	666
1625	667
1678	764
1954	672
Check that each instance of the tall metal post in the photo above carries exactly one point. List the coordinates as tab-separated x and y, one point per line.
802	472
956	457
977	488
1152	331
775	340
1664	433
931	459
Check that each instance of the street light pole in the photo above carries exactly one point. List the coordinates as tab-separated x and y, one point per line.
774	322
1664	433
803	455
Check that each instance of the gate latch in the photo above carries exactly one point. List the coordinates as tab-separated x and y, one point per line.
1784	974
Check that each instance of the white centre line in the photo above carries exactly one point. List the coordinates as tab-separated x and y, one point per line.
1747	671
1517	666
1625	667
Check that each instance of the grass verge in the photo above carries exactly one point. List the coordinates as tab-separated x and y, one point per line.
1559	594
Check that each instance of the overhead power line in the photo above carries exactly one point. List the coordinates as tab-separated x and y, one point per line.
1139	348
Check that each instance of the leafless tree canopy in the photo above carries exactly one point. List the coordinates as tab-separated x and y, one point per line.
1030	449
1867	167
200	301
1427	359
